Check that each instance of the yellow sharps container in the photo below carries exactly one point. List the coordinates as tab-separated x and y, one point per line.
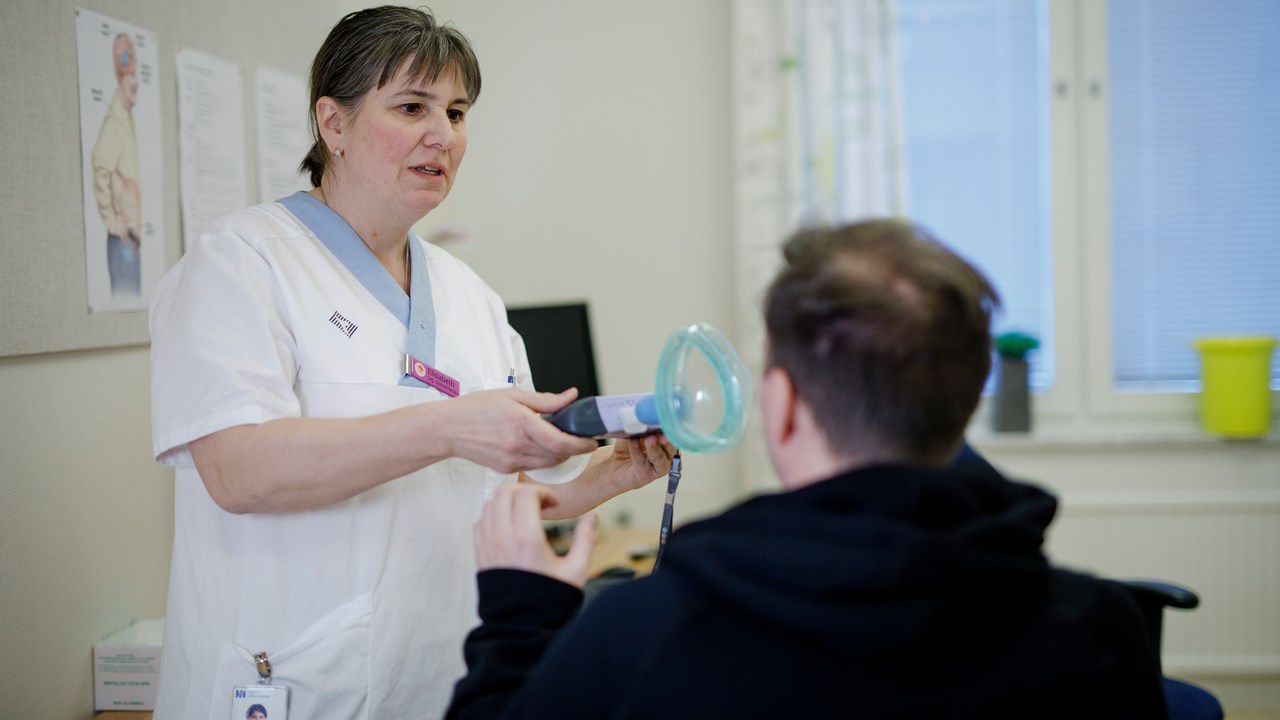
1235	400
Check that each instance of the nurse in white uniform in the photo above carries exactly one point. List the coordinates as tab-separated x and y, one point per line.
337	399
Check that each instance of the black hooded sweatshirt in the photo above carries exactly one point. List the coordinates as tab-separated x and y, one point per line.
886	592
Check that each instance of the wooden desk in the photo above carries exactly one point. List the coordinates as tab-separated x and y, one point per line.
615	547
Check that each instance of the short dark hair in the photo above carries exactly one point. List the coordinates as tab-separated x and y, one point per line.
886	335
256	708
364	50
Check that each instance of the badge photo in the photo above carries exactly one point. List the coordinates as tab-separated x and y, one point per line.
260	702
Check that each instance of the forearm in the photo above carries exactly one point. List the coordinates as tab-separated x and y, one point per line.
296	464
587	491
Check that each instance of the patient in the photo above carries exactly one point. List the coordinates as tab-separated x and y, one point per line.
884	582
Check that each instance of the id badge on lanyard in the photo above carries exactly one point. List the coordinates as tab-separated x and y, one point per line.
263	701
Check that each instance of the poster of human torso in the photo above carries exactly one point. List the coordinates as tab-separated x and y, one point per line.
120	144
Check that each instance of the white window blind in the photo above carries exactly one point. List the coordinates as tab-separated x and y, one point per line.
976	130
1194	158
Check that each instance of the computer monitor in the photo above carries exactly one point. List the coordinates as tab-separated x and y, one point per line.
557	339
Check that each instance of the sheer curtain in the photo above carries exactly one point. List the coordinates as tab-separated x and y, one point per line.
818	139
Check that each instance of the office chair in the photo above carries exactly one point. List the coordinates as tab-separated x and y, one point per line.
1185	700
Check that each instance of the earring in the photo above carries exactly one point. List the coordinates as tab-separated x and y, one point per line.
339	152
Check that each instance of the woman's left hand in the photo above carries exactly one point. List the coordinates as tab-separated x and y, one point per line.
636	462
629	464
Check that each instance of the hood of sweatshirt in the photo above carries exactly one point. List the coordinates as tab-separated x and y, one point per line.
879	557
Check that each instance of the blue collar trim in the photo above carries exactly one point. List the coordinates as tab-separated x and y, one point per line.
415	311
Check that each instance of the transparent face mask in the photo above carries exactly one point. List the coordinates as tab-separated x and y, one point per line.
701	401
703	391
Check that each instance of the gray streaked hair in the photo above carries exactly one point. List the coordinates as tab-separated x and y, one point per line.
364	51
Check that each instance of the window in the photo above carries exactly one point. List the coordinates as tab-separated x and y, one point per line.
976	127
1194	158
1115	168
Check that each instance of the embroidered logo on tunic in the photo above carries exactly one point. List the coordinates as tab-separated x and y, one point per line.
347	327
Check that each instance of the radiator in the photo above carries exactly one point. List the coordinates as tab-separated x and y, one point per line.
1224	545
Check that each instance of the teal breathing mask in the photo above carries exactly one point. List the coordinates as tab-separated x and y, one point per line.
702	391
701	398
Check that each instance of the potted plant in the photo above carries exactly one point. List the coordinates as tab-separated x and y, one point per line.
1012	409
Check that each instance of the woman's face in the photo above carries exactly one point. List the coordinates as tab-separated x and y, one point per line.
257	715
404	145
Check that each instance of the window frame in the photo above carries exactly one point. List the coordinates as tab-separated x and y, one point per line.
1084	393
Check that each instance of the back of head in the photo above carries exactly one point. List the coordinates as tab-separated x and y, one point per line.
364	51
886	335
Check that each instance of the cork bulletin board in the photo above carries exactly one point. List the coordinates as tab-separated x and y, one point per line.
43	299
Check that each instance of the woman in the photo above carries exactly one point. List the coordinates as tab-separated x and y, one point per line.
335	395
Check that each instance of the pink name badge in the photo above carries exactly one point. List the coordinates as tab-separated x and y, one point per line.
431	376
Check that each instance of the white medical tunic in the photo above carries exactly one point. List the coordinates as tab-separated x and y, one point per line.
280	311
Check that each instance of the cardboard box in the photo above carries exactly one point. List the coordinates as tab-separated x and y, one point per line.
125	667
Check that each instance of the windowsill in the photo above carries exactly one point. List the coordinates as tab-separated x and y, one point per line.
1131	438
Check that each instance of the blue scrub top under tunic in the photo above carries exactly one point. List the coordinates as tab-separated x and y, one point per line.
415	310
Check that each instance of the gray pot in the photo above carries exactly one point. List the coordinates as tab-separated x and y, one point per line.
1012	409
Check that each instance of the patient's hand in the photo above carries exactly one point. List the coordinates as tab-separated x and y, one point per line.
509	534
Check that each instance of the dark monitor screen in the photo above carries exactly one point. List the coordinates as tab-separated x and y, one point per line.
557	339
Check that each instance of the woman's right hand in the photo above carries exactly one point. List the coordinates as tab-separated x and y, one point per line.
504	429
292	464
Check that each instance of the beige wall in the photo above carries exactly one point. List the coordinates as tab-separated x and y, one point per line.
85	521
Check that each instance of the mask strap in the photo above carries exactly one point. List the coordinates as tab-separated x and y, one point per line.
668	510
